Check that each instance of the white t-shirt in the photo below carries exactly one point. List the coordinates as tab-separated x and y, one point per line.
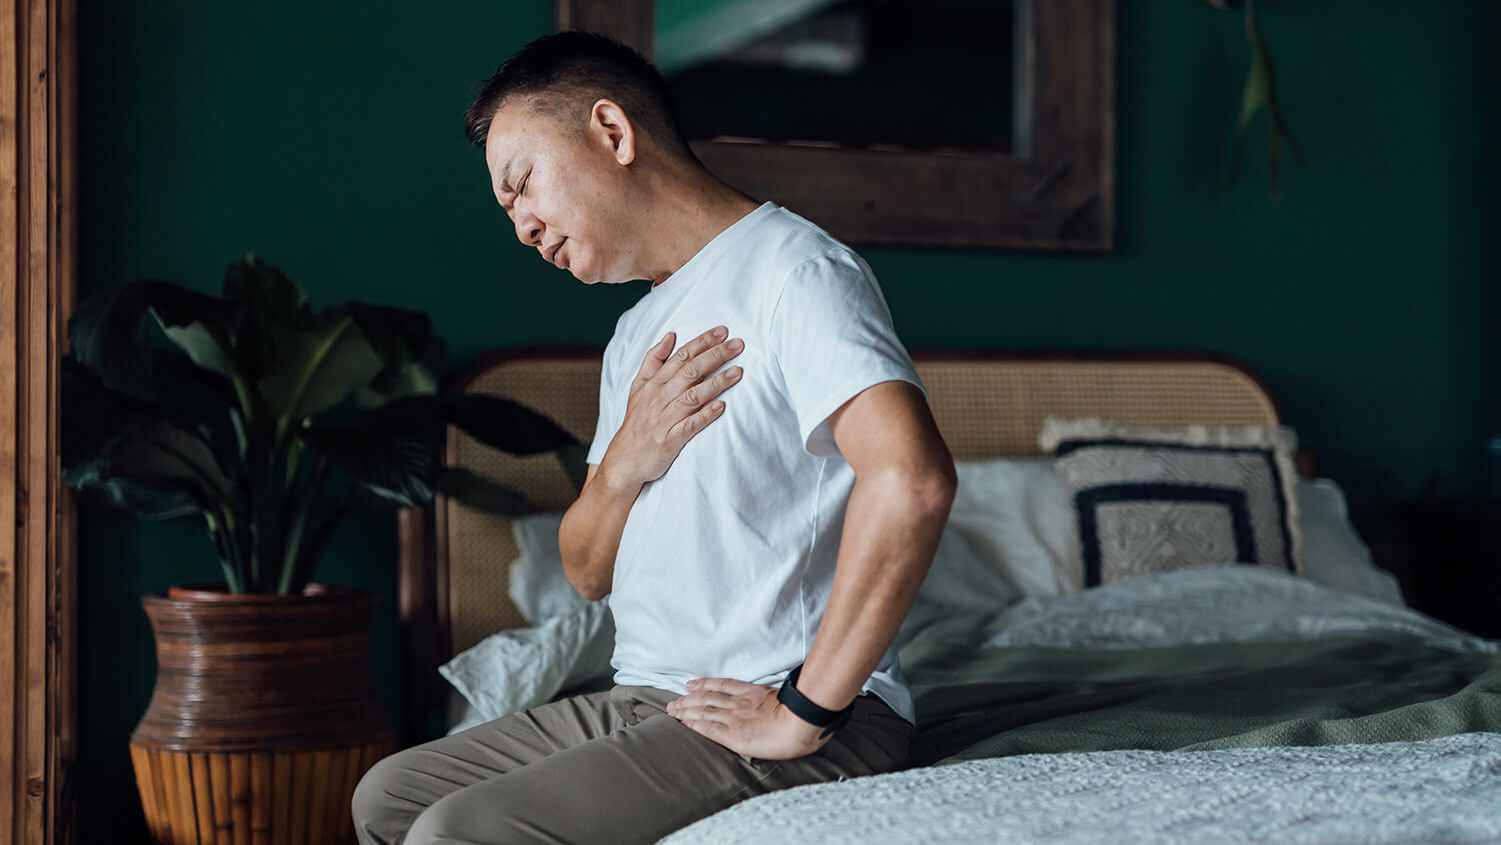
726	561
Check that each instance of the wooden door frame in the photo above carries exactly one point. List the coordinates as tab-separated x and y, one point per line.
38	596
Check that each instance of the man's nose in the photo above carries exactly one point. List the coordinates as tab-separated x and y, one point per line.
529	229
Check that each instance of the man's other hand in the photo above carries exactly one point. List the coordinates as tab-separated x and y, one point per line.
746	718
672	398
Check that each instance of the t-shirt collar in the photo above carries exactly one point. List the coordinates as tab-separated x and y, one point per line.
718	243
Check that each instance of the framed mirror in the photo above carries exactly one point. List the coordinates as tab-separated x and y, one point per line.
948	123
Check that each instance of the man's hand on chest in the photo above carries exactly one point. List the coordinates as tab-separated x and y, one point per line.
673	397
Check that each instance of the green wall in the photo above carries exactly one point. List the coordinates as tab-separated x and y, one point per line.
330	142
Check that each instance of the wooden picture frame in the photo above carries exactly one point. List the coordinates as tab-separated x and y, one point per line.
1055	191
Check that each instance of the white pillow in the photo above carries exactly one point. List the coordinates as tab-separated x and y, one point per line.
1333	553
538	586
1014	517
512	670
570	640
1012	534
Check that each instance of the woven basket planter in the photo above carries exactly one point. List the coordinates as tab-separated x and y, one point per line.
263	718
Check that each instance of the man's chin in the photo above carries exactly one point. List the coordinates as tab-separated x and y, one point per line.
594	279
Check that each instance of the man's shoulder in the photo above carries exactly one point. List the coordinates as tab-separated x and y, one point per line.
797	240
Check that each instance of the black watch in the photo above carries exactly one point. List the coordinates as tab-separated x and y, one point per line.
805	709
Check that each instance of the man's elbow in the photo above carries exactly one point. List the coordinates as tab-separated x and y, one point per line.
589	584
933	487
591	590
927	488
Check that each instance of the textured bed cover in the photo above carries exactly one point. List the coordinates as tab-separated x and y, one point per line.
1231	704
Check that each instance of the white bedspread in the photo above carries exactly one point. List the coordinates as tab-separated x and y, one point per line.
1439	790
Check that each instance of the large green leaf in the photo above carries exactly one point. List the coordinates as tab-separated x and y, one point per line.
164	450
318	367
109	337
265	296
399	337
201	401
575	460
499	422
395	449
481	493
394	456
110	332
493	420
149	498
419	378
207	345
156	471
95	422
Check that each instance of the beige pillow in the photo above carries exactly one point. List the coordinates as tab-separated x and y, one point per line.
1153	500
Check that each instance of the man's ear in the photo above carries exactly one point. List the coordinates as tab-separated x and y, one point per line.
609	123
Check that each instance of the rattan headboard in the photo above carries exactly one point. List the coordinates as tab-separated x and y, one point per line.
455	560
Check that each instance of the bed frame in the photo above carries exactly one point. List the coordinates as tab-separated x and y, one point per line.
453	588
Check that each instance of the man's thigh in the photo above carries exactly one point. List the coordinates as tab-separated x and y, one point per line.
397	789
645	780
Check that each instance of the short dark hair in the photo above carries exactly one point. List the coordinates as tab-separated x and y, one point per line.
571	70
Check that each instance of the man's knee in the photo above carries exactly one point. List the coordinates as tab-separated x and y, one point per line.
452	818
371	805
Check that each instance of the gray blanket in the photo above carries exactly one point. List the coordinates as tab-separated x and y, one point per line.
1375	687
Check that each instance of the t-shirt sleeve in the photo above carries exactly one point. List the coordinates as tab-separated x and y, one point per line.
834	338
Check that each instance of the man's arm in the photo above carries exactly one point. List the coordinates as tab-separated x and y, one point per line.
670	401
904	487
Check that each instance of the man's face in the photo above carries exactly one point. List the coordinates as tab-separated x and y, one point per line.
563	189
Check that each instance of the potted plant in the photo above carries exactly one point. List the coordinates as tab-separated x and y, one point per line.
246	409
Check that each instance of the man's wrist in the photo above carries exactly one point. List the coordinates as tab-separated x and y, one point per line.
615	483
817	689
807	734
792	698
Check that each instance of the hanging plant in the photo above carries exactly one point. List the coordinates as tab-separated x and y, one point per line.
1260	93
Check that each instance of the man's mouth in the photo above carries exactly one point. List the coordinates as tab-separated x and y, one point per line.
555	257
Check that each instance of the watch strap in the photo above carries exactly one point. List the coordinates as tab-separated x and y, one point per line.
805	709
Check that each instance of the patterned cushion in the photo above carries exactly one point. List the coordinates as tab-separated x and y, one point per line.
1151	500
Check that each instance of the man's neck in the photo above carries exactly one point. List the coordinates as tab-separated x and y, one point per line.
693	212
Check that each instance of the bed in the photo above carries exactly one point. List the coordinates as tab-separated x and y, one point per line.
1206	703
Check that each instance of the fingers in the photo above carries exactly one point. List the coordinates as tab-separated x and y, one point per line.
695	422
726	685
655	357
694	397
699	357
707	716
716	731
686	709
709	361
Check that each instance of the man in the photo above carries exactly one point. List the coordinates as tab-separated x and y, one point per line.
766	488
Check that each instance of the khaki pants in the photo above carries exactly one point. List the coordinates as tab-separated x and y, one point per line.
607	766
